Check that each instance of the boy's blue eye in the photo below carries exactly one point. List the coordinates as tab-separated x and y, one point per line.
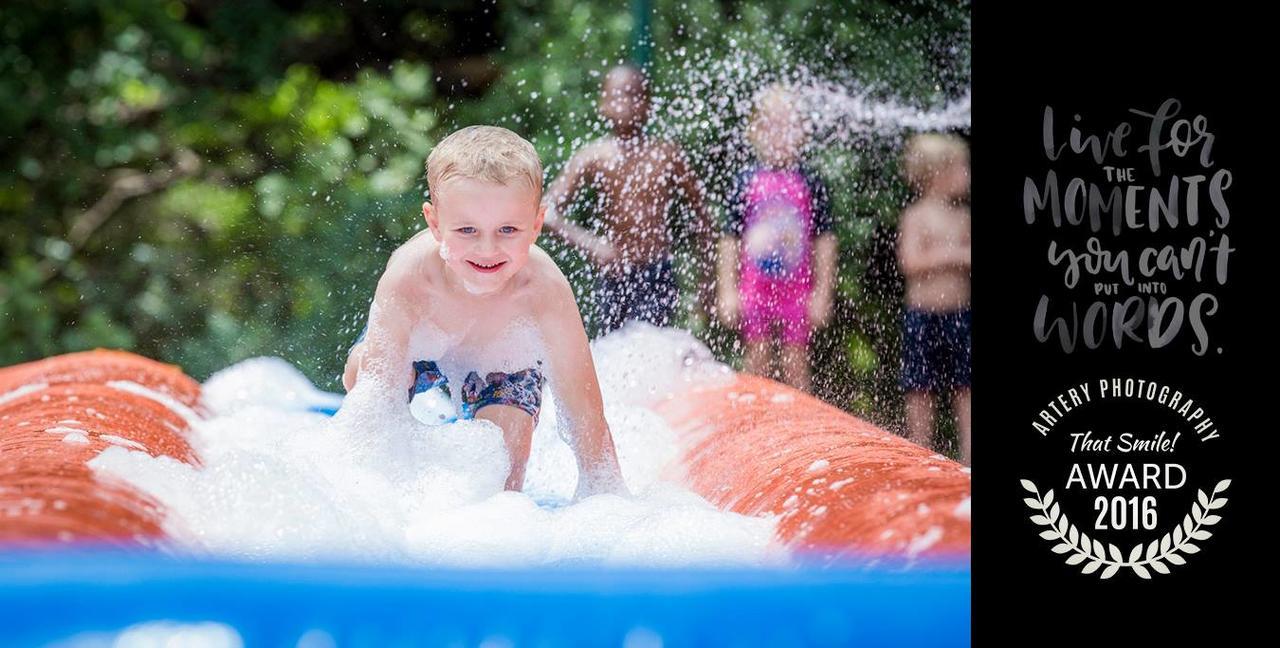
466	230
507	229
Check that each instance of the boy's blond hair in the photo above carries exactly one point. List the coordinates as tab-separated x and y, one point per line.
929	154
489	153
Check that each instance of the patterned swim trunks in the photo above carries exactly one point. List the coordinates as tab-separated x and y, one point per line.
522	389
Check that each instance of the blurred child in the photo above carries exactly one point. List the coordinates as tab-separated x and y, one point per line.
478	289
777	257
933	250
636	179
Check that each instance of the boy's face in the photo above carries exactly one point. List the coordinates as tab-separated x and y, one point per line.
778	135
485	230
624	102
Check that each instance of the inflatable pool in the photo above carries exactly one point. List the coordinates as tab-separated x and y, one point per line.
136	500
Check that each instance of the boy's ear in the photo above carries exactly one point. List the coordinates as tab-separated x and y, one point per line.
537	223
433	220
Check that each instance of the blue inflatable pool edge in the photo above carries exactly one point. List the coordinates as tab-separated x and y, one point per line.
48	597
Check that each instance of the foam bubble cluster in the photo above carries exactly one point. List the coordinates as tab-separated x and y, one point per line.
375	484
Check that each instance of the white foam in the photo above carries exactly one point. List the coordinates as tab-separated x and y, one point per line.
164	399
374	484
62	429
923	541
22	391
122	442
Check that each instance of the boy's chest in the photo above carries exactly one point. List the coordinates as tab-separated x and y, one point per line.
946	227
499	338
633	171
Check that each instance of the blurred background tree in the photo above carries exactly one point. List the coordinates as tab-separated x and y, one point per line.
204	181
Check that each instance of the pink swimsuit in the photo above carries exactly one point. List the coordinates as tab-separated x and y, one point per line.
780	210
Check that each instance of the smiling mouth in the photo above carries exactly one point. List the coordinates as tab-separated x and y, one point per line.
487	268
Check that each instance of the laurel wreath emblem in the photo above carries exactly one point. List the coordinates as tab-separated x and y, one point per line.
1167	549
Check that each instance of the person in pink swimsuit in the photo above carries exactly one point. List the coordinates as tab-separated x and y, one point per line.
777	252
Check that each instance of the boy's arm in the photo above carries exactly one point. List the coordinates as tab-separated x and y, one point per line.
577	391
915	259
704	226
727	304
824	265
382	352
558	198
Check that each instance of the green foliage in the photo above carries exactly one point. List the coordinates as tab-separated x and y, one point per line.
203	182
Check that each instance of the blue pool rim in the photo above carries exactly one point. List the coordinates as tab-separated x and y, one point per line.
49	596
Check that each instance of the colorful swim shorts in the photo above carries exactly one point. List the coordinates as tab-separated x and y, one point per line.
522	389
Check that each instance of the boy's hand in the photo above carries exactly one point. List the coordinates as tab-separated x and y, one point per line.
728	309
603	251
819	311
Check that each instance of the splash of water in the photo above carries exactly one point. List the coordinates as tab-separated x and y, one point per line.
373	484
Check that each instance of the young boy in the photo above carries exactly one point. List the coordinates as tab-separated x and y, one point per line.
636	178
476	296
778	253
933	250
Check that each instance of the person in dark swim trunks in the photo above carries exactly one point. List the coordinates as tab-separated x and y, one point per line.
647	293
934	252
636	179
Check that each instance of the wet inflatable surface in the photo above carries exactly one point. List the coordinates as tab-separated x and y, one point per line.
877	530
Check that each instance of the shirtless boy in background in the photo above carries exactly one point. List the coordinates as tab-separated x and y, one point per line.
637	178
934	252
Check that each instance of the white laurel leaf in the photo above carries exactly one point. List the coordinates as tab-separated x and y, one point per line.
1159	566
1202	498
1152	549
1176	559
1091	567
1115	553
1031	502
1186	524
1222	485
1164	544
1177	535
1073	535
1084	543
1062	524
1061	548
1049	534
1030	487
1201	535
1210	520
1196	512
1110	571
1076	559
1135	553
1040	519
1218	503
1053	513
1190	548
1098	551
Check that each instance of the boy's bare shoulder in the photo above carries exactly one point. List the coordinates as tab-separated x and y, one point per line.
545	284
409	270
